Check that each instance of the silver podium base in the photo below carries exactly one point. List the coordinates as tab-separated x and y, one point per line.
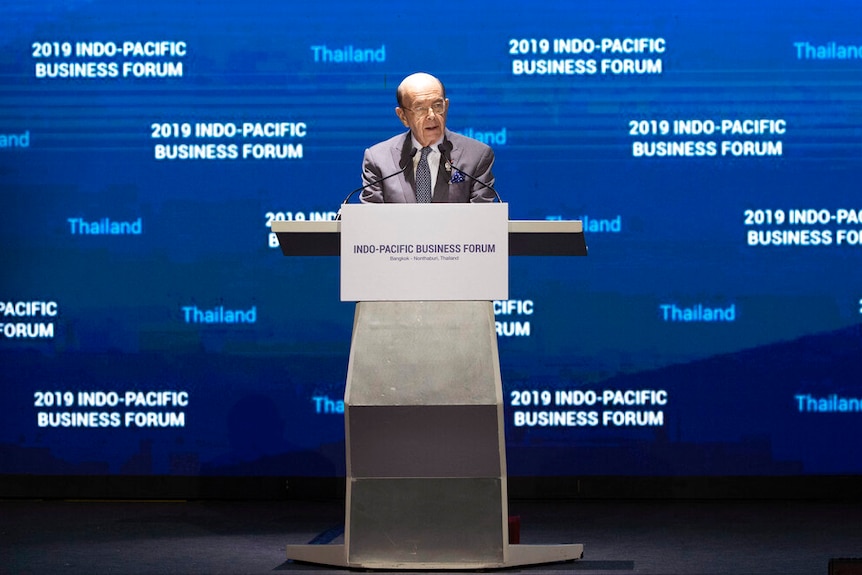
424	433
515	556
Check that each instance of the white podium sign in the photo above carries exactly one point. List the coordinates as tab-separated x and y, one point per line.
424	252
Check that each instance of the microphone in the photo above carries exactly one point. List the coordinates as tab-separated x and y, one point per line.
375	182
446	150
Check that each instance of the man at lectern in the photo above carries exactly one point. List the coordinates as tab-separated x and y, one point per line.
428	163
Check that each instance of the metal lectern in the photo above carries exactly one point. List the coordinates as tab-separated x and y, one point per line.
426	459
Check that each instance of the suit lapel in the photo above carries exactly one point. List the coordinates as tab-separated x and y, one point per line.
401	156
441	188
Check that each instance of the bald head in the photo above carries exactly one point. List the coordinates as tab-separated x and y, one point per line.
420	81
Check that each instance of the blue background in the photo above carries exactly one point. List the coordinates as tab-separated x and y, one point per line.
567	154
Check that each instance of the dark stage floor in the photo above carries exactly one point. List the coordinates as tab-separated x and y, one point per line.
620	537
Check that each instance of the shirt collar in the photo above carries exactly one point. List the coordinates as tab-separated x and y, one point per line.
433	146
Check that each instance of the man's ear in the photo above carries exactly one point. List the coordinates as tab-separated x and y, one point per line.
401	116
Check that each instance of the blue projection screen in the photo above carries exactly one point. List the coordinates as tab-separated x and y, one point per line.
149	324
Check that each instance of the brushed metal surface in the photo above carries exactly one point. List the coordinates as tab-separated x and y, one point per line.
440	520
424	353
426	460
424	441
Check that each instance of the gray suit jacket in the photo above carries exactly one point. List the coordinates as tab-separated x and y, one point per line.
387	157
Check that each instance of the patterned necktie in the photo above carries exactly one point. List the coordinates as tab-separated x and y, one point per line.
423	178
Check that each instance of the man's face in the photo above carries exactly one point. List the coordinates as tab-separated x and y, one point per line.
424	109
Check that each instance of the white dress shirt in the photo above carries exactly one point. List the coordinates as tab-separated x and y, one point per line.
433	161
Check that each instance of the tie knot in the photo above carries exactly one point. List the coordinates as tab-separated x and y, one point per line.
425	151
